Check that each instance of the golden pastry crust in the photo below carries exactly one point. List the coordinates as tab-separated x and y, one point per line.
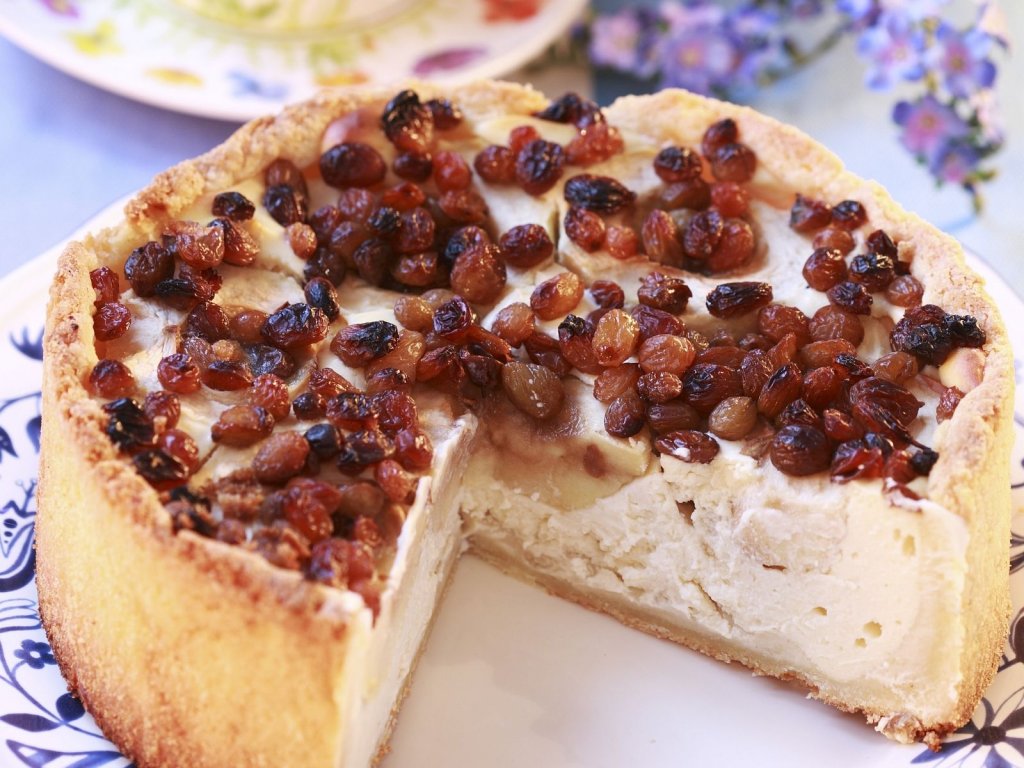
127	602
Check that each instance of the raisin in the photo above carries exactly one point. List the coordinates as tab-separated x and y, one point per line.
594	144
413	166
879	242
533	389
359	344
874	271
147	266
897	367
849	215
301	239
539	166
284	204
352	164
730	198
615	338
719	134
446	115
923	461
702	234
653	322
824	268
557	296
672	354
280	457
856	459
799	449
735	299
659	387
930	334
373	260
600	194
111	378
851	297
233	205
479	275
705	385
576	343
180	446
128	426
320	294
395	410
782	388
227	375
722	355
674	164
884	407
264	358
413	449
453	319
160	470
808	215
734	249
309	406
834	323
621	242
163	405
689	446
840	427
613	382
626	415
324	440
905	291
733	418
112	321
285	172
571	108
834	239
526	245
799	412
669	294
948	402
179	373
198	246
464	206
208	321
295	325
104	282
408	123
661	241
514	323
734	162
672	416
607	294
820	353
694	194
240	248
271	393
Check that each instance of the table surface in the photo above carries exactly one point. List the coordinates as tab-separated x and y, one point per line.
68	150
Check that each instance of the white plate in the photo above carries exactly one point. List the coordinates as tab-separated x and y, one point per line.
159	53
511	677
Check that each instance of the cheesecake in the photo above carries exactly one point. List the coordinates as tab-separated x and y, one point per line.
668	360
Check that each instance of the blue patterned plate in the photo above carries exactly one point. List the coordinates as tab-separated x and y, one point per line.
512	677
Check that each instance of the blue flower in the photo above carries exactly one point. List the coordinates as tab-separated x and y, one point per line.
955	162
37	655
991	737
626	41
960	57
701	60
894	47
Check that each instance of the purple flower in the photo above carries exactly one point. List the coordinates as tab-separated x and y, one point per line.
954	162
960	58
858	10
683	17
626	41
701	60
928	126
894	48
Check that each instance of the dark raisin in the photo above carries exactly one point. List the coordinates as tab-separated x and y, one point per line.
539	166
416	232
545	351
840	427
884	407
359	344
782	388
719	134
264	359
240	248
328	264
849	215
872	270
601	194
675	164
407	123
799	449
285	172
234	205
808	215
362	448
879	242
851	297
160	470
799	412
413	166
526	245
147	266
373	260
609	294
128	426
111	378
735	299
625	416
453	319
734	162
321	295
208	321
496	164
571	108
446	115
655	322
705	385
923	460
464	206
104	282
702	234
309	406
295	326
930	334
585	228
855	459
352	164
284	204
694	194
451	171
688	445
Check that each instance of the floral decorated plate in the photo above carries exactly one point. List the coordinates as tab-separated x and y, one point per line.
511	676
162	53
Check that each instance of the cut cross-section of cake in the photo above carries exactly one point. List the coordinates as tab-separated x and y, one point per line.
668	360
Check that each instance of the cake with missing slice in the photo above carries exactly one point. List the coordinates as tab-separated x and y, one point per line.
668	360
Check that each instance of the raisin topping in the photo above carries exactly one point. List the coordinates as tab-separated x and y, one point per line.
734	162
284	204
670	294
849	215
851	297
734	299
104	282
128	426
539	166
352	164
147	266
447	116
111	378
295	325
408	123
824	268
533	389
808	215
930	334
233	205
799	449
675	164
571	108
359	344
874	271
688	445
601	194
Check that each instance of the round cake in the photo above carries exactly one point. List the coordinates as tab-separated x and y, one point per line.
666	359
